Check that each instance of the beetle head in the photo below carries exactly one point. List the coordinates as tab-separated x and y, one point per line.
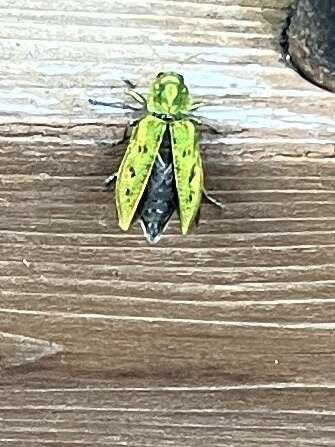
169	95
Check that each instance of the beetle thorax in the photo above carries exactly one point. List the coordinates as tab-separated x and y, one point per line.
168	95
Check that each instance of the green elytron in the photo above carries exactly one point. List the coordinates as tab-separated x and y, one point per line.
161	170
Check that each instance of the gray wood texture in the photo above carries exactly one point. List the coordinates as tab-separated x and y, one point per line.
222	338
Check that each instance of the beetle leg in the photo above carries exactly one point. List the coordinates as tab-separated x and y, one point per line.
195	120
215	126
213	200
137	97
196	106
110	181
211	125
129	84
126	133
197	217
128	129
125	136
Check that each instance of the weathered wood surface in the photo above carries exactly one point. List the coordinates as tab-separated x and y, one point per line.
223	338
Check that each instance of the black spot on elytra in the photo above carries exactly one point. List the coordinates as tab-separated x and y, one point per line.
127	192
190	197
192	174
184	154
145	149
132	171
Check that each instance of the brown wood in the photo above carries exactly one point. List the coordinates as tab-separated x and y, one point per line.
221	338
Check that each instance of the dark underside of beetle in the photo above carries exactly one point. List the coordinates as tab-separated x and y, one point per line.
159	200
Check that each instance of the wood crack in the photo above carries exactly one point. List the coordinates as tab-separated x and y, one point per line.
18	350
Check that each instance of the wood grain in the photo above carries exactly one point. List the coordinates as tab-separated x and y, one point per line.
221	338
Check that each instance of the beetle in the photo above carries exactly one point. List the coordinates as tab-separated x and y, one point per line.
161	170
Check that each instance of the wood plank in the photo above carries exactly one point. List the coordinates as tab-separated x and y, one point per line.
221	338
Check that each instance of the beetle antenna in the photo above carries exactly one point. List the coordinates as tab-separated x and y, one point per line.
117	105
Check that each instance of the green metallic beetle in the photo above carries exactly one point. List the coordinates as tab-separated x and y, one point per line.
161	170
